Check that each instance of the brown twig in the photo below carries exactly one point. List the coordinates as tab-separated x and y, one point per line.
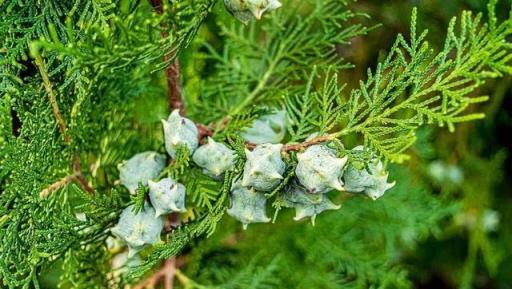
170	266
303	145
51	95
166	273
80	178
57	185
203	131
207	131
174	87
172	72
76	176
157	5
300	146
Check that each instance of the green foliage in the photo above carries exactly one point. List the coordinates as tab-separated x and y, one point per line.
139	198
99	64
137	33
250	72
81	268
315	111
413	86
355	247
178	165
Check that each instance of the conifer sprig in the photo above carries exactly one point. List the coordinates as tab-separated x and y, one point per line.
415	86
250	71
412	87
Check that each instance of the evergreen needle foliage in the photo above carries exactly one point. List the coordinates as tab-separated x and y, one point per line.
83	87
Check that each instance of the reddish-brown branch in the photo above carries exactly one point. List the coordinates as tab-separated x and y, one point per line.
166	274
206	131
157	5
170	266
303	145
77	176
173	220
299	146
175	97
203	131
172	72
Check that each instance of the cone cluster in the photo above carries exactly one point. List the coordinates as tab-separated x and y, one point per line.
166	195
138	230
319	171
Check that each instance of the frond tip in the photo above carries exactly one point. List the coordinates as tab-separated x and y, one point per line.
414	86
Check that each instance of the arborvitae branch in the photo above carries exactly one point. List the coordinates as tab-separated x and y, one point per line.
172	71
100	55
427	88
51	94
412	87
291	44
173	83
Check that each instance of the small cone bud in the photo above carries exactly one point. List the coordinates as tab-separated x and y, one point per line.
319	170
138	229
215	158
167	196
371	181
141	168
264	167
247	205
305	203
179	131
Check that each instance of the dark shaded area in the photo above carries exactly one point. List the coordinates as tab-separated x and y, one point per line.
16	123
